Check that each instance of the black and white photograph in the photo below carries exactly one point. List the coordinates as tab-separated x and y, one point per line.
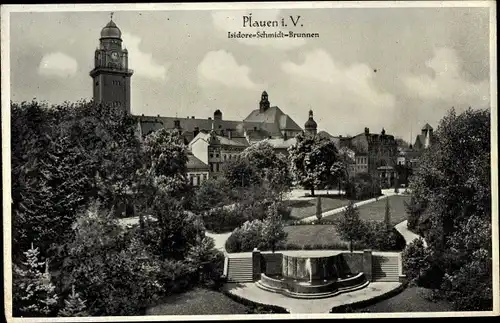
222	161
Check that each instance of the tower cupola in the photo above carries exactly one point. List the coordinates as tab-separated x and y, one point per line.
311	126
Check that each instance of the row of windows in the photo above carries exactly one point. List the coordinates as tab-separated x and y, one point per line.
196	180
225	156
362	160
214	167
114	82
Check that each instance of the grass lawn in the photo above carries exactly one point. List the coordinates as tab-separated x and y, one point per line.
327	235
304	208
375	211
409	300
313	234
197	302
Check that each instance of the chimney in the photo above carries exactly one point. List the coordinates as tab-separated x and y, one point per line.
367	130
192	117
209	118
177	124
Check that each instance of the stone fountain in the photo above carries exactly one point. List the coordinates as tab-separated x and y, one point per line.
312	276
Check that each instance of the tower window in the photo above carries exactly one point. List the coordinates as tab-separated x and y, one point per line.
116	82
97	83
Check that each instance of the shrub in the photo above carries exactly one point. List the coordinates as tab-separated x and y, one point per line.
247	237
378	237
222	219
318	209
363	186
414	211
416	261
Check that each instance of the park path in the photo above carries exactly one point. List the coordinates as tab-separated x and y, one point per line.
407	234
220	238
386	193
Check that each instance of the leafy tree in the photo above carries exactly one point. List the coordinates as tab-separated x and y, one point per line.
33	293
414	211
240	173
453	186
349	225
64	156
416	261
115	271
270	166
312	158
212	193
318	208
74	306
273	229
340	169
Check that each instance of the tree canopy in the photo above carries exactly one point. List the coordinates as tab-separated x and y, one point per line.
312	158
452	189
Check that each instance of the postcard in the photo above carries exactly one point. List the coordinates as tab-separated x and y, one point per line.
220	161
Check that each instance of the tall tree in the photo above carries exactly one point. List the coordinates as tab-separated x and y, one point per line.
312	158
387	215
319	212
273	232
349	225
33	292
453	186
272	167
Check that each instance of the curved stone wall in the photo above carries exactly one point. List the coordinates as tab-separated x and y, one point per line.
313	268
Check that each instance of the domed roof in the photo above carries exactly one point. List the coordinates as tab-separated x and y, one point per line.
111	31
310	124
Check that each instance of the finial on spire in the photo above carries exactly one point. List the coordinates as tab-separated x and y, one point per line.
111	15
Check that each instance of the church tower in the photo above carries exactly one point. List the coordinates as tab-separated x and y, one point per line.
311	127
111	76
264	102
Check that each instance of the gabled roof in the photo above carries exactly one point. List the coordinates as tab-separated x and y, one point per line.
220	140
194	163
275	116
427	127
287	123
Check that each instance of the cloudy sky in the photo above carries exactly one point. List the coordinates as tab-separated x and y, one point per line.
395	68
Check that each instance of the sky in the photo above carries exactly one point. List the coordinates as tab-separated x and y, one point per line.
392	68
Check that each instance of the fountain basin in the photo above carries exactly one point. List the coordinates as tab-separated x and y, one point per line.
315	289
312	276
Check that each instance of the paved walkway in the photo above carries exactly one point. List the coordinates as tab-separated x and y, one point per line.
387	193
219	239
305	306
407	234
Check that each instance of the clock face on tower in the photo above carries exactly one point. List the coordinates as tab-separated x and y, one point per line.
114	56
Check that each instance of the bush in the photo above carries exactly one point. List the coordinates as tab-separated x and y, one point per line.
246	238
177	276
222	220
363	186
377	237
416	261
